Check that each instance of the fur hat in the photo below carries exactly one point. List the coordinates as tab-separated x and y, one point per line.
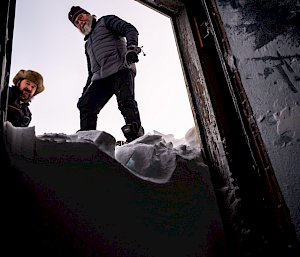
74	12
33	76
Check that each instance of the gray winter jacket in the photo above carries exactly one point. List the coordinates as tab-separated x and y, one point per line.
106	46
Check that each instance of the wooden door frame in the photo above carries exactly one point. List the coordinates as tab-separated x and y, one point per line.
7	18
230	138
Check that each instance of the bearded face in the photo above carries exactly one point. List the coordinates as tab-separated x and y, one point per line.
27	90
87	28
25	95
84	23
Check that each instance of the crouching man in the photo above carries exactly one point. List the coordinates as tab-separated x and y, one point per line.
15	99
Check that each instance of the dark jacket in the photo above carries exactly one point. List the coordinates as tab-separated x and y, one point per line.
106	46
17	113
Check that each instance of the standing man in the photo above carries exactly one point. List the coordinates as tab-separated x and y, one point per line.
16	99
112	50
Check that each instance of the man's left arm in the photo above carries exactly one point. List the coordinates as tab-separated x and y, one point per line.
122	28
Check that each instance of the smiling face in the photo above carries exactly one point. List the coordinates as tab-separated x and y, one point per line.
84	23
27	90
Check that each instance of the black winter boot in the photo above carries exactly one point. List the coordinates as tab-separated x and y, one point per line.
132	131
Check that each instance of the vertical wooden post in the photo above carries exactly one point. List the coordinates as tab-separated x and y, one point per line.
7	18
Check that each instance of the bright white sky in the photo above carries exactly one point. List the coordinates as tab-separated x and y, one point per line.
45	41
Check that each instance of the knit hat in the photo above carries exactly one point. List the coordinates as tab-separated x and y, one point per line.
74	12
33	76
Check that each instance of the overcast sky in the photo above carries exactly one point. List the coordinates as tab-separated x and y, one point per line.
45	41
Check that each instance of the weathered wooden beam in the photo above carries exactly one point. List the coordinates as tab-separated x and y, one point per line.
7	17
167	7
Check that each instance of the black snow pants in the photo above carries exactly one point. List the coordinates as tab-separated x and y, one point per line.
98	93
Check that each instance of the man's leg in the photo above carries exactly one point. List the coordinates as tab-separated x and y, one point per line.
91	102
124	87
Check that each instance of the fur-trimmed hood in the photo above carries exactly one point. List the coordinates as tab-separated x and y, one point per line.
33	76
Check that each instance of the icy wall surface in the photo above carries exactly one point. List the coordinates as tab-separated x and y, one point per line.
264	37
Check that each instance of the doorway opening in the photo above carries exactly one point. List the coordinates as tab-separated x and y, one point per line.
55	48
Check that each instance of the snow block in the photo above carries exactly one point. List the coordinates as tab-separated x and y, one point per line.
77	200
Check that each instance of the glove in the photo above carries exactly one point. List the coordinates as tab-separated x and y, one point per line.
131	55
